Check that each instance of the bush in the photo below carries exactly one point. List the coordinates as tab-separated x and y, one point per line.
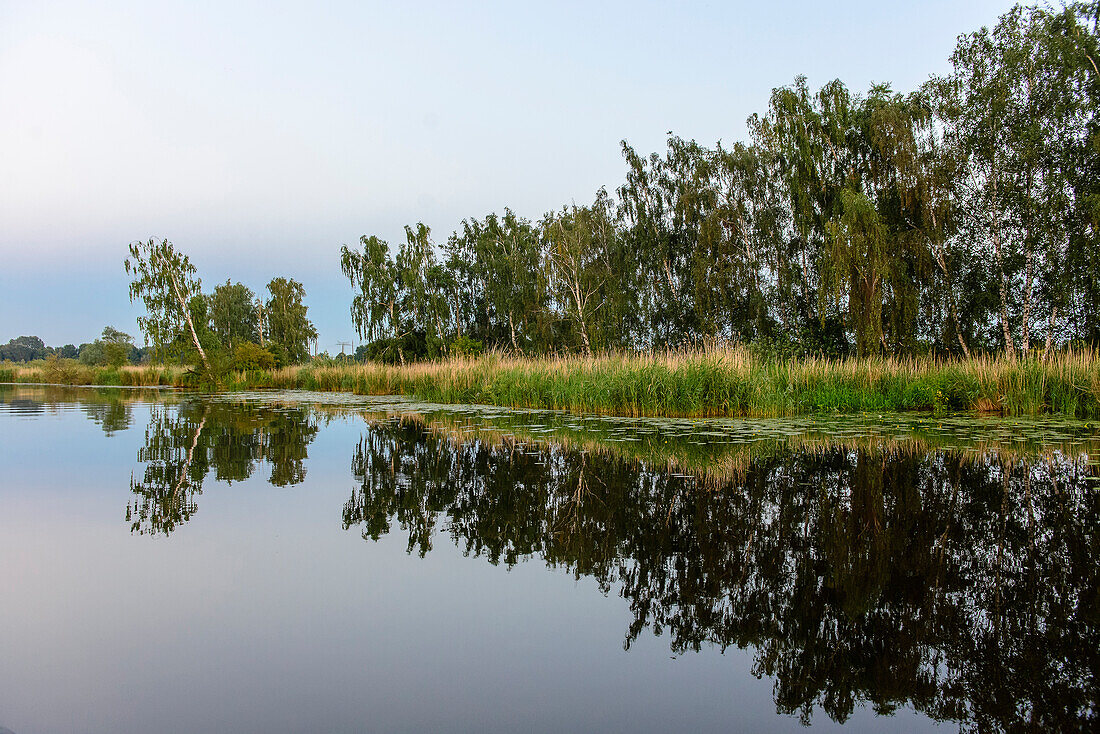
249	357
278	351
464	346
414	346
65	372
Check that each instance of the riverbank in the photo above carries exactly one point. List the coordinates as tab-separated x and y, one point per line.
701	384
71	372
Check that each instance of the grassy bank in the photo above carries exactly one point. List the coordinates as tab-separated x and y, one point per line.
731	383
719	383
71	372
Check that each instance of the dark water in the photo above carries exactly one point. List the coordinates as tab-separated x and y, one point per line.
323	563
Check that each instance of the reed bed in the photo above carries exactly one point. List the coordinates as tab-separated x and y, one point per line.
71	372
723	382
728	382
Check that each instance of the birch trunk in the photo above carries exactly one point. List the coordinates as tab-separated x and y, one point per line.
941	260
1010	346
1025	341
190	322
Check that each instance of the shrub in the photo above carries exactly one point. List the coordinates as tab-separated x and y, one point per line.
464	346
278	351
249	357
64	372
92	354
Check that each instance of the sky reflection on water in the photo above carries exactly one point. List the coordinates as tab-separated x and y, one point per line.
263	564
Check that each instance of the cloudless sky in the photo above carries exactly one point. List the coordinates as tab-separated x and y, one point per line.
260	137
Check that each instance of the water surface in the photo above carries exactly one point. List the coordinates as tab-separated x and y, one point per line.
300	562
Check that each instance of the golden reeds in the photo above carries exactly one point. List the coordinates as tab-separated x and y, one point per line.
699	383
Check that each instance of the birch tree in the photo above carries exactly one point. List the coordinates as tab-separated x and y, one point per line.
578	239
165	281
373	275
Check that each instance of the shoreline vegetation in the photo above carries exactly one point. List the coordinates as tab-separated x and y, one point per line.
866	252
728	382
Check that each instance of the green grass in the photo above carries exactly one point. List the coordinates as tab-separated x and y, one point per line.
685	384
729	383
72	372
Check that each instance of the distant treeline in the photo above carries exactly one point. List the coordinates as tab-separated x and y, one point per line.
230	327
963	217
233	324
235	328
112	348
226	329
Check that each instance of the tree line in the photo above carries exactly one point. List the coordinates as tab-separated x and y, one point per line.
229	327
112	348
962	217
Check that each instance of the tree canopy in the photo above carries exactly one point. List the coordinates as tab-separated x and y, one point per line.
287	327
962	216
164	279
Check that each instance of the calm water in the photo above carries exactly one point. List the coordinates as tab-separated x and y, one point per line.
293	562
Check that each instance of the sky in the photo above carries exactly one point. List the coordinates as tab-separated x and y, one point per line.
260	137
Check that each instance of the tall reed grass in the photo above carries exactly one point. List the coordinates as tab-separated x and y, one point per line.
726	382
71	372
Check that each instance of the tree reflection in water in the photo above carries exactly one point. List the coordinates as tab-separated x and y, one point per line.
963	585
960	583
112	410
184	444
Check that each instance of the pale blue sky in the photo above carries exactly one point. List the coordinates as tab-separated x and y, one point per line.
259	137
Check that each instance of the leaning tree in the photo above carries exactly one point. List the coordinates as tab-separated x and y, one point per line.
165	281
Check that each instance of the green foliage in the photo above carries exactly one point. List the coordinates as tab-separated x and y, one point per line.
64	372
960	219
373	310
250	357
234	316
496	266
112	349
184	347
288	329
404	302
117	346
411	346
92	354
279	354
165	281
116	355
464	346
24	349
